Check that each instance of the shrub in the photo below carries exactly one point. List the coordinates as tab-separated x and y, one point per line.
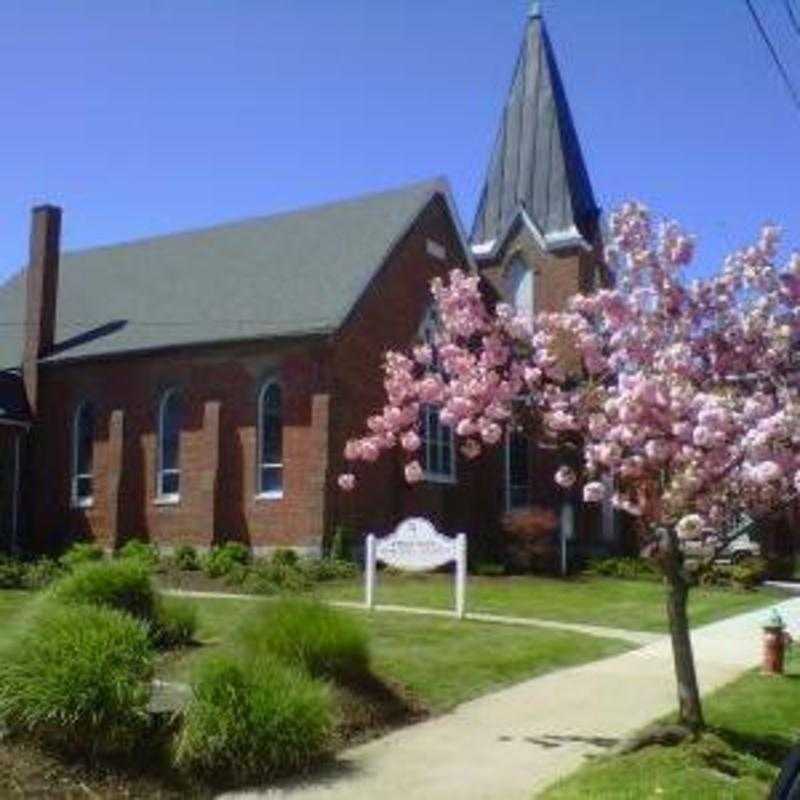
271	578
186	558
76	678
488	568
142	551
12	573
175	623
328	569
342	544
238	575
750	572
244	724
220	560
42	572
80	553
124	585
304	633
529	538
624	567
284	557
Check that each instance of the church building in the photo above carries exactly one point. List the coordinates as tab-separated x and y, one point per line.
200	386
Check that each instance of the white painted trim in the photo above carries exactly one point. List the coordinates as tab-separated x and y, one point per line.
167	500
269	495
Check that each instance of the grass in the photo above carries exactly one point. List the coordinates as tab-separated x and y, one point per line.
440	662
633	605
753	722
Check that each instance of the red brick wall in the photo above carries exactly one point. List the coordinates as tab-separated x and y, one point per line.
388	317
223	508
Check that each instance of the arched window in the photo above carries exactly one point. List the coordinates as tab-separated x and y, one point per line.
169	436
270	441
519	285
82	455
437	454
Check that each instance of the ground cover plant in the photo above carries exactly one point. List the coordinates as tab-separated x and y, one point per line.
752	724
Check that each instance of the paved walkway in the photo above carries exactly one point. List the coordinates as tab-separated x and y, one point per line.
635	637
510	744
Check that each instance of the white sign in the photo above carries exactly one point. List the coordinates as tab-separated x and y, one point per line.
416	546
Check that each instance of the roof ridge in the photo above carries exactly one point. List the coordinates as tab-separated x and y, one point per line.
233	223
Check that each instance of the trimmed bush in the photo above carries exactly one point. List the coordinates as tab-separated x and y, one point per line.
284	557
42	572
12	573
749	573
221	560
80	553
328	569
142	551
186	558
632	569
76	677
124	585
304	633
247	725
274	578
175	624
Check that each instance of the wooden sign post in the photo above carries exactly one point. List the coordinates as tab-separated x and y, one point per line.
417	546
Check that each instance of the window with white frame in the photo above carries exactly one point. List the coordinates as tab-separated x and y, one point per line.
270	450
519	286
169	434
436	452
83	455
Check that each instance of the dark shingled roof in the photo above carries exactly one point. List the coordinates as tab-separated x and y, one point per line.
13	403
290	274
536	165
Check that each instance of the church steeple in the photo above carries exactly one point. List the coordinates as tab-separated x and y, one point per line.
536	172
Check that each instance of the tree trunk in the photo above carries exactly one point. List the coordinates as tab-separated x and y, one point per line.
689	707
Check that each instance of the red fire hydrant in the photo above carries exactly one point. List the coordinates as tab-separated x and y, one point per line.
775	641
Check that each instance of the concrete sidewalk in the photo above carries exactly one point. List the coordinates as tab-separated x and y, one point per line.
510	744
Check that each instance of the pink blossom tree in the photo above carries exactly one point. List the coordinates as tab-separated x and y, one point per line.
682	396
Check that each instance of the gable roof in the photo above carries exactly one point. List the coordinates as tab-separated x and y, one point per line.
296	273
536	170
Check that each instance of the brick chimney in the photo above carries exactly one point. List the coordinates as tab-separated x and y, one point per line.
42	290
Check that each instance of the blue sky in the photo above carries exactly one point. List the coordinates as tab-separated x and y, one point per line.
153	116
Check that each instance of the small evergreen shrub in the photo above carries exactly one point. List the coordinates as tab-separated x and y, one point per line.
12	573
246	724
124	585
284	557
77	678
342	544
142	551
186	558
175	623
42	573
221	560
320	570
80	553
270	578
626	568
306	634
749	573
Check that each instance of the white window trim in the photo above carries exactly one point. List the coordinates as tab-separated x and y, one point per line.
274	494
165	498
438	477
75	500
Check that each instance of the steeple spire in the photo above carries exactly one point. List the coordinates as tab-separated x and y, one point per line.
536	168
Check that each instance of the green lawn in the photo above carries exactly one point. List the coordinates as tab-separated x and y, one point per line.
635	605
442	662
753	723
